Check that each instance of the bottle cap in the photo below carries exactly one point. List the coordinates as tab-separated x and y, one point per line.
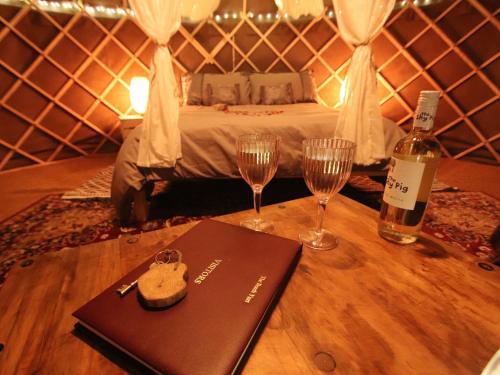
428	98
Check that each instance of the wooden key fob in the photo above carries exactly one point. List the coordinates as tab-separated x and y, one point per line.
164	284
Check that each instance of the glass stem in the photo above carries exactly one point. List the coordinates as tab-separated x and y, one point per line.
321	215
257	194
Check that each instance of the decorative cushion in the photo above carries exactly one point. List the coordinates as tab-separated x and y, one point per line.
228	79
302	85
222	94
194	86
277	94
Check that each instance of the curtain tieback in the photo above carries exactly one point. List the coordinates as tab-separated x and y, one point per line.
362	44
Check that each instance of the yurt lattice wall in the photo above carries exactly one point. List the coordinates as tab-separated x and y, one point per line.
64	76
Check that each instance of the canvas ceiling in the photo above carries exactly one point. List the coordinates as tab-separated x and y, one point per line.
64	77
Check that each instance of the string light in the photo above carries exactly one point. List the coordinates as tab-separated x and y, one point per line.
117	12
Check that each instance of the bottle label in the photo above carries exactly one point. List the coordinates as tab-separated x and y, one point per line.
403	183
426	109
424	120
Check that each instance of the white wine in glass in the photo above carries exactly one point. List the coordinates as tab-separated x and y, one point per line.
257	156
327	164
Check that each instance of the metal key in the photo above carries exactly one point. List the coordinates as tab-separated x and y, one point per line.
125	288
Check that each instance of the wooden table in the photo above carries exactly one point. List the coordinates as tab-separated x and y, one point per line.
366	307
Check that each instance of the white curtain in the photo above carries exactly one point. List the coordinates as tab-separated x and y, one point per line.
360	119
160	143
198	10
298	8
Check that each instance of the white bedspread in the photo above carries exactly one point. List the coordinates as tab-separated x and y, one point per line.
208	138
209	135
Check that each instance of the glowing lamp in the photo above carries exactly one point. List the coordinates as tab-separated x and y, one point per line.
139	92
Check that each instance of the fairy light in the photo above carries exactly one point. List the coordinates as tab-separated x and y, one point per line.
117	12
90	10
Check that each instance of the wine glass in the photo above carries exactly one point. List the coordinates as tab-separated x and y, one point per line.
327	164
257	156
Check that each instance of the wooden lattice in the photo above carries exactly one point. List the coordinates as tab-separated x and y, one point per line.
64	77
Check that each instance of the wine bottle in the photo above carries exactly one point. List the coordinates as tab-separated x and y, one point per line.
411	171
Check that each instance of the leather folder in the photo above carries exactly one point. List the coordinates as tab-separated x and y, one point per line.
235	279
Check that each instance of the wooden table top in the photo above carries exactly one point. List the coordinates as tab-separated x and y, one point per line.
368	306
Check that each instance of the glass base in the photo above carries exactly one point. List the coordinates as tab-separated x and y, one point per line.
397	237
324	240
258	225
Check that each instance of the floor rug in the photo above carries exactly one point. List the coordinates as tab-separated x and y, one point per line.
53	223
97	187
464	219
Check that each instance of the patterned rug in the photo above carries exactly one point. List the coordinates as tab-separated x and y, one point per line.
97	187
464	219
53	223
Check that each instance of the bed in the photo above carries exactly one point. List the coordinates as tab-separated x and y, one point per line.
209	133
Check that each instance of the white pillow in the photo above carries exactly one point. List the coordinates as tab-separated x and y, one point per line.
302	85
277	94
228	79
222	94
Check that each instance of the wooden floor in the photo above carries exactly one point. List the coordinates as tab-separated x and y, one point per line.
471	176
21	188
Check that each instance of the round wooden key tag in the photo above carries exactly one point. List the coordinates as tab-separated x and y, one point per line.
165	282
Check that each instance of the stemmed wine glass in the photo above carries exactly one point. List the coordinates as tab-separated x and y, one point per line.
257	156
327	164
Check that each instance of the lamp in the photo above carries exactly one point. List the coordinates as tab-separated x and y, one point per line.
139	92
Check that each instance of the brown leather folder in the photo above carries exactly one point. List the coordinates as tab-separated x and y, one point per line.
235	279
